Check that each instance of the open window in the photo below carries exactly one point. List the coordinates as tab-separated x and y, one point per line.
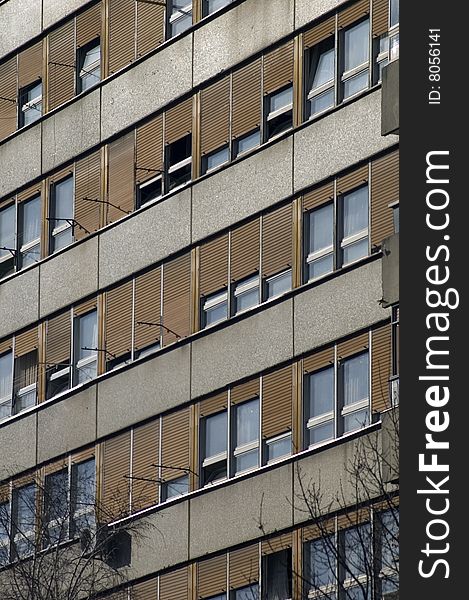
214	308
355	58
320	77
61	214
174	488
246	294
179	16
214	436
89	65
178	163
279	112
30	104
150	190
25	381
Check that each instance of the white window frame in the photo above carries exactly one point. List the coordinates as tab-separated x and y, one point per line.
225	148
32	104
272	278
180	13
84	362
279	438
247	285
271	115
211	302
216	458
32	387
321	253
142	186
180	165
356	237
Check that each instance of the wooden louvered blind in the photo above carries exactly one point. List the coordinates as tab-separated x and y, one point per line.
119	321
175	585
211	576
88	193
380	368
245	391
215	116
278	68
384	190
145	454
178	121
150	149
30	65
244	566
150	27
177	298
61	78
213	404
245	251
353	518
318	196
353	346
8	91
6	345
214	265
246	111
58	340
318	33
277	402
27	341
147	590
29	193
352	180
380	17
85	307
354	13
89	25
175	447
82	455
277	241
121	177
277	544
320	530
319	360
116	473
147	308
121	33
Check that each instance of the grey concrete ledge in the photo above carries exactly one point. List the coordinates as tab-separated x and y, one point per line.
19	22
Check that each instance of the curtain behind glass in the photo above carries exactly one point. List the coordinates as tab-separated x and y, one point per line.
321	391
31	220
277	576
215	434
88	334
7	230
355	211
5	375
247	422
321	228
356	42
325	69
355	374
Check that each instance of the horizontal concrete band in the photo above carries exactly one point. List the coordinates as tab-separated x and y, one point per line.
276	172
314	317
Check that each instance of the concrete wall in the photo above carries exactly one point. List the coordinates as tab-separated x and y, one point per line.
391	270
390	99
19	22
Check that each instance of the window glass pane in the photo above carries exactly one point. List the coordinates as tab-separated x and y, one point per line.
211	6
181	16
247	299
320	266
83	495
177	487
63	197
281	99
355	251
356	420
321	433
5	384
278	448
24	520
35	92
394	12
279	284
88	331
283	122
63	239
355	211
321	233
321	102
56	506
395	218
356	45
247	460
31	220
355	84
151	191
394	47
321	392
4	533
7	230
357	548
247	422
389	523
278	575
214	160
92	56
247	593
355	374
215	434
325	69
216	313
249	141
322	558
91	69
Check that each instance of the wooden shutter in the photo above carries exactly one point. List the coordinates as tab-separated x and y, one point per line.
116	472
26	349
89	25
277	544
121	33
6	345
380	17
30	65
318	196
380	368
215	116
29	193
245	391
59	339
119	321
319	360
214	404
27	341
9	92
150	27
88	185
145	454
278	68
177	298
277	241
384	190
147	308
175	444
85	307
353	346
148	590
150	149
247	99
245	251
83	455
175	585
121	187
318	530
277	402
61	78
213	269
319	32
178	121
353	518
244	566
354	179
354	13
211	576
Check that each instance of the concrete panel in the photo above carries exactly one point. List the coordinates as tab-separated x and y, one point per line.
18	444
67	425
307	11
390	99
244	348
19	301
22	21
338	307
146	87
165	229
238	34
339	140
232	514
242	189
69	276
391	270
144	391
71	131
54	10
20	160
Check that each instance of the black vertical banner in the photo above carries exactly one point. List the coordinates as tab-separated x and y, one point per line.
434	270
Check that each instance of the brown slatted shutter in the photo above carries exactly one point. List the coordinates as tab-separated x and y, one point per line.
30	65
61	78
6	345
245	252
145	455
85	307
27	341
214	265
121	187
175	447
59	339
215	116
147	308
352	180
318	196
213	405
121	34
211	576
354	13
246	112
277	544
277	241
315	531
384	190
89	25
380	368
178	121
380	17
8	87
175	585
353	346
150	149
34	190
278	68
82	455
277	402
118	333
244	566
150	27
319	360
116	473
88	193
353	518
177	298
318	33
148	590
245	391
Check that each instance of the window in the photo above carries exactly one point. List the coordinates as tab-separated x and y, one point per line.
175	487
395	216
61	214
382	55
320	408
178	163
319	237
23	520
215	159
278	447
357	556
4	533
320	81
180	16
393	29
279	111
82	496
250	592
247	142
86	331
355	57
7	240
89	66
214	447
30	104
215	308
246	294
150	190
210	6
354	209
354	373
25	381
320	576
278	284
277	575
29	234
56	503
388	528
6	379
246	449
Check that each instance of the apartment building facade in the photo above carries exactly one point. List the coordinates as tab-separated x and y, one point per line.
199	220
